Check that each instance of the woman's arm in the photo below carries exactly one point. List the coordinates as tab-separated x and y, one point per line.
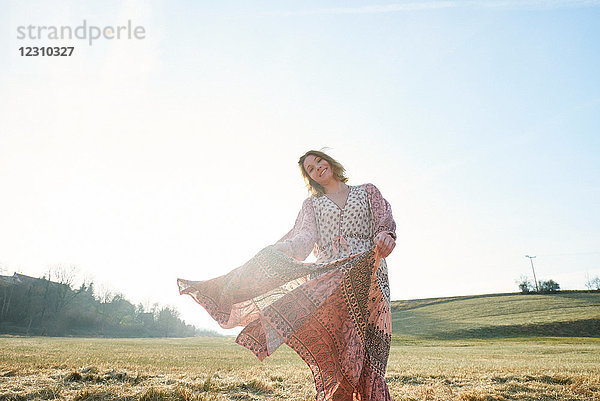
300	241
384	234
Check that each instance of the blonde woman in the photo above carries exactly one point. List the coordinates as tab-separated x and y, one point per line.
335	313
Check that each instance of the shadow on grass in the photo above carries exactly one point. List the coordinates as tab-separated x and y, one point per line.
578	328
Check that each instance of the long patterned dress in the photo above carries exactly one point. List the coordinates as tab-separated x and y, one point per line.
335	313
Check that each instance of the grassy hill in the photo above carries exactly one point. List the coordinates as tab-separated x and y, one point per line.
564	314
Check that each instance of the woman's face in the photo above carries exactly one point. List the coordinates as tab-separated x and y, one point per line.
318	169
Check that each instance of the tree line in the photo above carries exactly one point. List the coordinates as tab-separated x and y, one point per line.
526	286
41	306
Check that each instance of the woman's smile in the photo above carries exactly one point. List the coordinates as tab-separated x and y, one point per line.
318	169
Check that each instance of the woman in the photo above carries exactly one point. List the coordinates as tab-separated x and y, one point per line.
334	313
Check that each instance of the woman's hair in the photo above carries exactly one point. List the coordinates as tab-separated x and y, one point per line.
338	171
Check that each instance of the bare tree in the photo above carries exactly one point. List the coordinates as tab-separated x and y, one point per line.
64	277
105	293
105	296
592	284
525	285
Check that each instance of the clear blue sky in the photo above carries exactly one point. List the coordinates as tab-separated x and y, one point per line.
141	161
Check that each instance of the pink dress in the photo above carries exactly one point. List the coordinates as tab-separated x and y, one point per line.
334	313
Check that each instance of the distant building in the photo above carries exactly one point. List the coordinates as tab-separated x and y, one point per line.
9	280
19	278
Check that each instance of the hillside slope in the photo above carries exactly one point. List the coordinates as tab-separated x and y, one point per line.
565	314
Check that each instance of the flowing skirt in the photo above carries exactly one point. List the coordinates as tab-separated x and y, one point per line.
333	315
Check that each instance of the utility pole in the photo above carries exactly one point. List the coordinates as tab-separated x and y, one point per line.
534	278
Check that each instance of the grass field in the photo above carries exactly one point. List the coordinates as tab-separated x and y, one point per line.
564	314
218	369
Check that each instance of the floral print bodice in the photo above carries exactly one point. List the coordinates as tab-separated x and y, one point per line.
334	232
346	231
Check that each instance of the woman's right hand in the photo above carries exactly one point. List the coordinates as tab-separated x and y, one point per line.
385	242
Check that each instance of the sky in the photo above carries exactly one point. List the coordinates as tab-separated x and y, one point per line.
138	161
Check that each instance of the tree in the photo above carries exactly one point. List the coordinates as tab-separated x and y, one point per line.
549	286
105	295
58	297
168	319
525	286
592	284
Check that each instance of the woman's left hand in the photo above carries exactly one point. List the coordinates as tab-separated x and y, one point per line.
385	242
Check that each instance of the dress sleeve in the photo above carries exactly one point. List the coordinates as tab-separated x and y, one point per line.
301	239
382	212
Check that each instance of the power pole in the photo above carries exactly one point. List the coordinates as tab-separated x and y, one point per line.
534	278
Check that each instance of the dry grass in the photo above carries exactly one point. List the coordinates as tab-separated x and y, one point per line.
211	369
